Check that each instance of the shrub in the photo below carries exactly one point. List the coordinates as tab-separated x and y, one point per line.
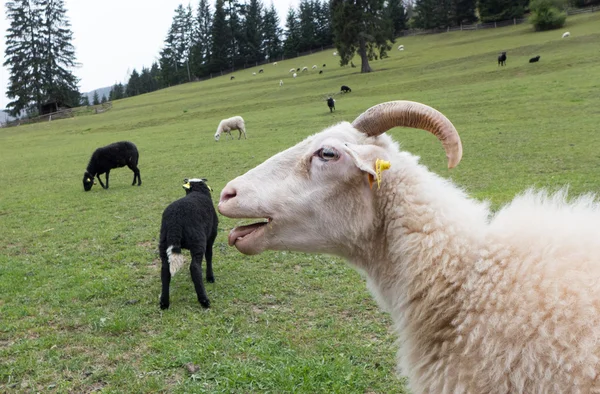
547	14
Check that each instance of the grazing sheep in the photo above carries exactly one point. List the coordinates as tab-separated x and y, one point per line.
281	82
400	47
188	223
304	68
233	123
104	159
254	73
331	104
231	78
261	71
294	75
482	303
298	69
314	67
275	63
324	65
502	59
345	89
292	70
320	71
566	34
534	59
334	53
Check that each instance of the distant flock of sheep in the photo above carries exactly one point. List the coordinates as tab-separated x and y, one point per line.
483	302
535	59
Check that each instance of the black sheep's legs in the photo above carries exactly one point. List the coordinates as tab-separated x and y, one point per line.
196	272
210	276
136	174
165	276
107	172
100	180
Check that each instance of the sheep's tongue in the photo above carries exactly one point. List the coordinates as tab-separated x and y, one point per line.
242	231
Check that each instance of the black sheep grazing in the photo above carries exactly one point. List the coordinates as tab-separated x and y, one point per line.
320	71
324	65
188	223
534	59
261	71
331	104
502	59
345	89
104	159
231	78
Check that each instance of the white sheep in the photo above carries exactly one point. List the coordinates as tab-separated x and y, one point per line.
275	63
233	123
292	70
254	73
566	34
482	303
314	67
294	75
280	82
304	68
400	47
334	53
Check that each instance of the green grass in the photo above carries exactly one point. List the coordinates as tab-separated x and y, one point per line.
79	274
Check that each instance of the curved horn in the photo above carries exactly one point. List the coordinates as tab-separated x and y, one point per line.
382	117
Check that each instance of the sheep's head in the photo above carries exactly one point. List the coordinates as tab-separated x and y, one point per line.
196	185
88	181
318	195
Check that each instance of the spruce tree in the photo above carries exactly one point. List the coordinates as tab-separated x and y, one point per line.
23	56
291	44
308	28
201	40
271	33
95	99
220	39
103	99
85	100
500	10
397	15
133	85
251	45
361	26
58	54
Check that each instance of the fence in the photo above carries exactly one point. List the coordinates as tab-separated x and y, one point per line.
491	25
61	114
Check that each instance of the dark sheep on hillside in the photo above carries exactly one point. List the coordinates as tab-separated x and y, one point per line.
345	89
188	223
324	65
502	59
534	59
231	78
261	71
320	71
104	159
298	69
331	104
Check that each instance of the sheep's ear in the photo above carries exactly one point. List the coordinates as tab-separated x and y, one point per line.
187	185
369	159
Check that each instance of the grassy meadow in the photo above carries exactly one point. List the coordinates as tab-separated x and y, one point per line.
79	272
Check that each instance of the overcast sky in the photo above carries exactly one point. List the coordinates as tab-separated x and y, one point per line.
113	36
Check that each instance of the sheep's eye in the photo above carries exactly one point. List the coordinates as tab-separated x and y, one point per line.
328	154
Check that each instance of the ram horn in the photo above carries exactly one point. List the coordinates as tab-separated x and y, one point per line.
382	117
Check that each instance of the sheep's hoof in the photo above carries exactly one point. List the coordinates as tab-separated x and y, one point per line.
205	303
164	305
210	279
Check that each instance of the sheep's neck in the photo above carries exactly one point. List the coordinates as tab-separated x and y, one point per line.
423	260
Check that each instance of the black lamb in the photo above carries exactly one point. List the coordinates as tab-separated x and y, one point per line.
502	59
188	223
331	104
534	59
104	159
345	89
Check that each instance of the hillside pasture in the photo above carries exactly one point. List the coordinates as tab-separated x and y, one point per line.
79	272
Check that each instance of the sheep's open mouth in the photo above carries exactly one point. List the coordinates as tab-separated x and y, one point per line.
241	232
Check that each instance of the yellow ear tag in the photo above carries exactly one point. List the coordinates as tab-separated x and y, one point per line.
209	188
186	185
380	166
88	180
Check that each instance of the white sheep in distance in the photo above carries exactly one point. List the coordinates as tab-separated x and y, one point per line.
281	82
400	47
304	68
233	123
314	67
292	70
566	34
482	303
275	63
294	75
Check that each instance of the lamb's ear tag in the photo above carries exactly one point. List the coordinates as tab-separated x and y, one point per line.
209	188
380	166
88	180
186	186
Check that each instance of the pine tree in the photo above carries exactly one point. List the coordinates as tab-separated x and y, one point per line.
464	11
156	76
220	39
307	26
23	56
235	33
271	33
397	14
58	54
85	100
201	40
500	10
291	44
95	99
322	16
361	26
133	85
251	44
103	99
